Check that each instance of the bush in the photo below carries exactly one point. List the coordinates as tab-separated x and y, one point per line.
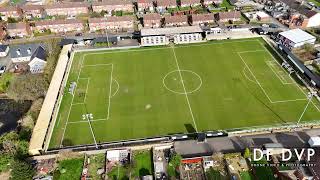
21	170
5	80
5	160
28	87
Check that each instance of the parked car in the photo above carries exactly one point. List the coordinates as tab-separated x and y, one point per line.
2	69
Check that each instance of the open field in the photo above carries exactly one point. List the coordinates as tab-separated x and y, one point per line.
147	92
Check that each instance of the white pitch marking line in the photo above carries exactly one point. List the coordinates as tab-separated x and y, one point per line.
291	100
245	74
59	120
75	104
151	49
251	51
75	122
274	71
110	89
65	127
118	86
85	96
184	88
254	77
109	64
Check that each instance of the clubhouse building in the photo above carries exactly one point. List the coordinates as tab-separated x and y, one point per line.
177	35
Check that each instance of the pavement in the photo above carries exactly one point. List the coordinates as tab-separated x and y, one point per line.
295	139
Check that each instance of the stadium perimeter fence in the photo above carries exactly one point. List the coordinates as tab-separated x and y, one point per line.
156	140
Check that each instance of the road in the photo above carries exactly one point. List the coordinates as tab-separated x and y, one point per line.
295	139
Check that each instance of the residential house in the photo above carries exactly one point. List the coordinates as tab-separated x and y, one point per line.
67	9
145	5
176	20
302	16
10	12
186	3
163	4
32	11
210	2
112	23
112	5
152	20
4	50
3	32
59	26
22	52
38	60
18	29
228	16
202	18
117	155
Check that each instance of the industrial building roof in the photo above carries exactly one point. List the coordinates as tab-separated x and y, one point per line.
297	35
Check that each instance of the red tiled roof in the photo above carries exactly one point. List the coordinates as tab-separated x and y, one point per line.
111	19
176	19
190	1
202	17
59	21
152	16
20	25
191	160
8	8
229	15
112	2
145	1
66	5
31	7
165	3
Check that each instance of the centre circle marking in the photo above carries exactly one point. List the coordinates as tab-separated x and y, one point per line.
187	91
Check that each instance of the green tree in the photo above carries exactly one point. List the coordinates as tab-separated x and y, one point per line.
8	142
247	153
21	170
174	163
213	174
5	80
5	160
308	48
22	149
53	51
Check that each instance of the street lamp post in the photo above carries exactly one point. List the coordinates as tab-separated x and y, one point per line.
310	95
107	33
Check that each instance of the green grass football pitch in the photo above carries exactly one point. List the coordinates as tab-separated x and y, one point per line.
147	92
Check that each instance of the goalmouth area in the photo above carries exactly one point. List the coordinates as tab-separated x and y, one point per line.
148	92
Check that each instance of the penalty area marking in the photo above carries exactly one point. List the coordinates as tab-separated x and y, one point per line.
118	86
289	75
263	90
245	74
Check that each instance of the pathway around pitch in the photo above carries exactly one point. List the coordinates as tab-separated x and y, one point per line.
182	91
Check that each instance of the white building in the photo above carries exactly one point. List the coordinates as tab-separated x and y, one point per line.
4	50
178	35
117	155
295	38
314	141
38	61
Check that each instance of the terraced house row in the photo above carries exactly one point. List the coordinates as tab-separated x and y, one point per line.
77	8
